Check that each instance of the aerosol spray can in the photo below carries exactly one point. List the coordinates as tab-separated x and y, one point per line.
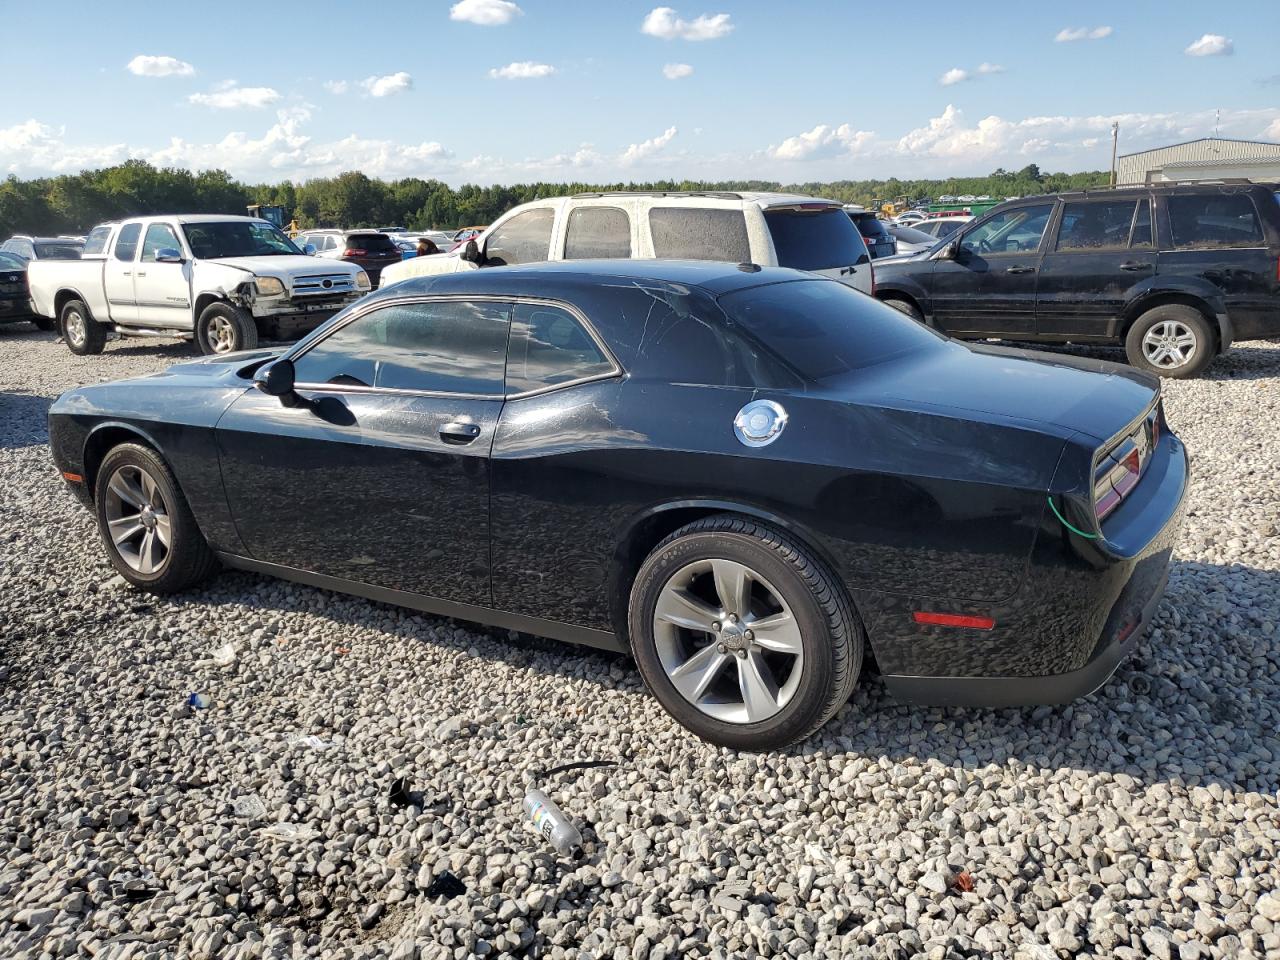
549	821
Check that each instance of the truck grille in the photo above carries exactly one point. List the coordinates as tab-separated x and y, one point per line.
323	285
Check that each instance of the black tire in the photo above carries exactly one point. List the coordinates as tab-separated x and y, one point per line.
83	335
1175	317
223	328
905	306
831	634
47	324
188	559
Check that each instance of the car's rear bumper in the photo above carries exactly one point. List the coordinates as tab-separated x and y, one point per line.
1082	609
13	310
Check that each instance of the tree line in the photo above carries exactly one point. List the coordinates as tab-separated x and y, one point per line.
73	203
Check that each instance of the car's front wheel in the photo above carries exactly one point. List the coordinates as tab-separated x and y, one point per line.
223	328
150	535
1172	340
742	635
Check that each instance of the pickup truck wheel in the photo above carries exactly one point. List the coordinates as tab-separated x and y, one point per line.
1172	340
223	328
905	306
83	334
47	324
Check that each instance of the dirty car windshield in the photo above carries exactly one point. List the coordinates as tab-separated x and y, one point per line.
822	328
237	238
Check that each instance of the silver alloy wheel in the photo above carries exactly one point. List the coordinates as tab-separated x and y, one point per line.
1169	344
222	335
138	519
728	641
74	328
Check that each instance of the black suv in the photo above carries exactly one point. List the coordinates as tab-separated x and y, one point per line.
1173	272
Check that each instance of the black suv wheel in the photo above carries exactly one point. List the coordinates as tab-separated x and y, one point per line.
1172	340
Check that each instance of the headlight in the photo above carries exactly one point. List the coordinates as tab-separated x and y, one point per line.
362	281
268	286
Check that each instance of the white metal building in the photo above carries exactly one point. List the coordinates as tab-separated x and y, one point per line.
1211	158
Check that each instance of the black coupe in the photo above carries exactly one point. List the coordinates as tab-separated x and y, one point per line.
747	478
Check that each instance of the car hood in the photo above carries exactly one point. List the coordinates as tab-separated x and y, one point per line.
285	267
1005	384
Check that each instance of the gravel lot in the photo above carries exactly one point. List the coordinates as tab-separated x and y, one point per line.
1141	821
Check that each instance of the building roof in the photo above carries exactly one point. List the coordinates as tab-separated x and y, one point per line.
1265	148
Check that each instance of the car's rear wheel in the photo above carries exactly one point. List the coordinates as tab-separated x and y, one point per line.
83	334
742	635
150	535
905	306
1172	340
223	328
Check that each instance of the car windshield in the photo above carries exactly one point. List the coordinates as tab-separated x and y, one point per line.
9	262
823	328
818	239
62	250
237	238
372	242
908	235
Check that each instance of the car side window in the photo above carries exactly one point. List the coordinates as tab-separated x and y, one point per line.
445	346
1013	231
597	232
1140	236
160	236
1096	225
96	242
525	238
127	242
699	233
1209	220
549	346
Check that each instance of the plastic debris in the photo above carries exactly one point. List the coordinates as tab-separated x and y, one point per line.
310	740
399	793
288	831
225	655
548	820
446	885
250	807
199	701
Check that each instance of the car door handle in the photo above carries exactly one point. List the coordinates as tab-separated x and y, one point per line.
141	273
1020	270
458	432
1134	265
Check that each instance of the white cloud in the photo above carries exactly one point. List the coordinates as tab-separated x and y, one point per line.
1273	131
1211	45
642	151
145	66
385	86
522	70
665	23
485	13
337	86
959	74
33	147
1071	34
677	71
234	98
822	141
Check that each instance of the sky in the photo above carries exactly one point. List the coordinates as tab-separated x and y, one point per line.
503	91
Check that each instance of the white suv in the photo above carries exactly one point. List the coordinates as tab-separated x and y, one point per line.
769	229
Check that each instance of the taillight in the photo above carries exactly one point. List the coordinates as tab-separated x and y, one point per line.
1120	468
355	252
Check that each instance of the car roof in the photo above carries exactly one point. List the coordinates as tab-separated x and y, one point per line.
714	277
759	197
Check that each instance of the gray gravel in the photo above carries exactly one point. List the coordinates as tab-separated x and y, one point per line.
1141	821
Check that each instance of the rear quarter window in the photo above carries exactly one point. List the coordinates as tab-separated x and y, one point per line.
815	239
1214	220
699	233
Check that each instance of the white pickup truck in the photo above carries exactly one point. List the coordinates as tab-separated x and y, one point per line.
222	281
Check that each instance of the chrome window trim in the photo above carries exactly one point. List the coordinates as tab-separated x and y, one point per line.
301	349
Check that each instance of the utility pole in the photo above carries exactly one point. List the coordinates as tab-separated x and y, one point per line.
1115	139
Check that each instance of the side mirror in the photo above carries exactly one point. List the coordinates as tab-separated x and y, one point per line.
169	255
276	380
309	249
471	252
949	251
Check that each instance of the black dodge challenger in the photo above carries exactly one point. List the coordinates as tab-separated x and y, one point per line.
747	478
